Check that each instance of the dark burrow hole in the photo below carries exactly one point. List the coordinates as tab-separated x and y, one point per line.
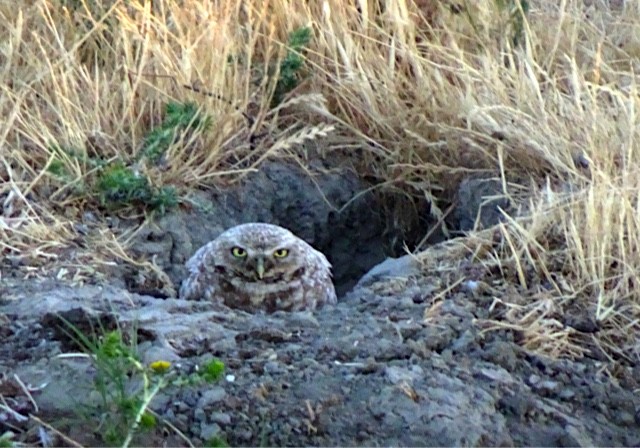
376	228
356	225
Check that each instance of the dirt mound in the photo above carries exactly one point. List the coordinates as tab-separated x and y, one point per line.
329	206
369	371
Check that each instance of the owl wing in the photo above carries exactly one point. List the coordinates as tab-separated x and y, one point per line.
201	275
318	284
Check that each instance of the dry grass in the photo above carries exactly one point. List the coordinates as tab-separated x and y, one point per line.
433	91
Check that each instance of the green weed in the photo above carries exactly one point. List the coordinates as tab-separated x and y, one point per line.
180	120
516	11
117	184
212	371
6	440
292	64
216	442
126	387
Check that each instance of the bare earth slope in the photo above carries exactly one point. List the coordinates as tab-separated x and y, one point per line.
368	371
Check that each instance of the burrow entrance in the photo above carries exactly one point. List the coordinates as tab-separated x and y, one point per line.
334	210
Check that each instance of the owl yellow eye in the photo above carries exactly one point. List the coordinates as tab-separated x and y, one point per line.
238	252
281	253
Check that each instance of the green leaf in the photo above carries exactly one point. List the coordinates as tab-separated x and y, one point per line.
148	421
213	370
216	442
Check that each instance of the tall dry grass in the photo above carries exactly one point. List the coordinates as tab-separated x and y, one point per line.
432	91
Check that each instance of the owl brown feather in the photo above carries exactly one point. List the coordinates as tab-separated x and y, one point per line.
260	266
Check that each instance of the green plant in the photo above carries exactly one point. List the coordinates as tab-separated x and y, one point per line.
512	26
126	387
516	11
58	166
291	65
212	371
119	185
216	442
122	409
5	440
180	120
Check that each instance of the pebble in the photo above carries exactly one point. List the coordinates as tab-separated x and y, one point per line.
566	394
272	367
498	375
211	397
208	432
221	418
398	374
463	343
199	415
547	386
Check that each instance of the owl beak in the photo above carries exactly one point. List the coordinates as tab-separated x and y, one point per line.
260	267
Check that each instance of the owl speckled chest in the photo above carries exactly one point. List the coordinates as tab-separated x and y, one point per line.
260	266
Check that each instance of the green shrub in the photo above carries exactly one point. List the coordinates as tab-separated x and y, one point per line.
292	64
180	120
127	387
118	184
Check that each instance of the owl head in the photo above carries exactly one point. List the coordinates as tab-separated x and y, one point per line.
259	252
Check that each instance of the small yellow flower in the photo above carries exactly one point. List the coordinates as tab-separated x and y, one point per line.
160	366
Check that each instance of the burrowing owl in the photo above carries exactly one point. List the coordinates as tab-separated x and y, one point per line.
259	266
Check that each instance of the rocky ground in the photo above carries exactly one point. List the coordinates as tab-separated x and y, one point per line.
369	371
402	359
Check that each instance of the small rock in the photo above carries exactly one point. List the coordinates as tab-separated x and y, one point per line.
481	200
437	338
89	217
476	288
182	422
498	375
566	394
211	397
546	387
392	267
575	437
464	342
208	432
221	418
302	320
157	352
533	380
370	366
199	415
503	354
82	229
623	418
244	435
181	406
272	367
516	404
398	374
